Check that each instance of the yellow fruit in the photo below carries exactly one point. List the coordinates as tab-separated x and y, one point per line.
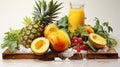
97	41
50	28
40	45
89	29
59	40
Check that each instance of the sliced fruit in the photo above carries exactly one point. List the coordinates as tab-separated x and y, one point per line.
59	40
97	41
50	28
40	45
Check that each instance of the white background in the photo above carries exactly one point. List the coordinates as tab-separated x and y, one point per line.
12	13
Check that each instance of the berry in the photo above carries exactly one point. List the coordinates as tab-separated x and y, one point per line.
80	40
75	41
82	47
75	37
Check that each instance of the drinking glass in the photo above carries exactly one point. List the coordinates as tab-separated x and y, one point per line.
76	14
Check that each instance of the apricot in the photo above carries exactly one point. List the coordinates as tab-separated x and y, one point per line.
89	29
50	28
59	40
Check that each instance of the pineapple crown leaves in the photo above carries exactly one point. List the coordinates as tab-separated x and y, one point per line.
27	21
46	12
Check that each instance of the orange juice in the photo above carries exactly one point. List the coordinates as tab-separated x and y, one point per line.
76	18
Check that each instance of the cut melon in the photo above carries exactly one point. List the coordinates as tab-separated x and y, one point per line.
97	41
40	45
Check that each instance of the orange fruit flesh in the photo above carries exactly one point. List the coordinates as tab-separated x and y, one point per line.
39	44
60	45
98	40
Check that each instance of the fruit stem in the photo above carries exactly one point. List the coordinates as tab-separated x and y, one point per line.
89	44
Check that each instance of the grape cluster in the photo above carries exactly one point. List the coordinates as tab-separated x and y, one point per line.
78	43
76	40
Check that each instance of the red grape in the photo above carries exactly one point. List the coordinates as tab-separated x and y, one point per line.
75	37
79	40
82	47
76	41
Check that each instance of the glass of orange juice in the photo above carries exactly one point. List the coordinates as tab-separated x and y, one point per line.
76	14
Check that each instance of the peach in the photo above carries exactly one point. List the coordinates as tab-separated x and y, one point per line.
59	40
50	28
89	29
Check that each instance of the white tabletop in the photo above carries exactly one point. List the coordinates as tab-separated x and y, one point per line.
72	63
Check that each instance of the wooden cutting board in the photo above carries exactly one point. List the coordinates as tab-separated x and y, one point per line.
110	54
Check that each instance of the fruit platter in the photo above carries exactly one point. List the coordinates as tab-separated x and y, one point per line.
44	37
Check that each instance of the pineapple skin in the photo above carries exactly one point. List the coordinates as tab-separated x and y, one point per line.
30	32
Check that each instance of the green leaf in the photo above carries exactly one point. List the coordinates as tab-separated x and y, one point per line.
63	23
101	33
91	47
110	29
100	28
83	31
50	6
5	44
105	24
96	27
12	46
111	42
38	6
44	5
97	20
104	30
27	21
12	39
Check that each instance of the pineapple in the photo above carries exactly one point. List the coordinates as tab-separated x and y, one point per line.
43	15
